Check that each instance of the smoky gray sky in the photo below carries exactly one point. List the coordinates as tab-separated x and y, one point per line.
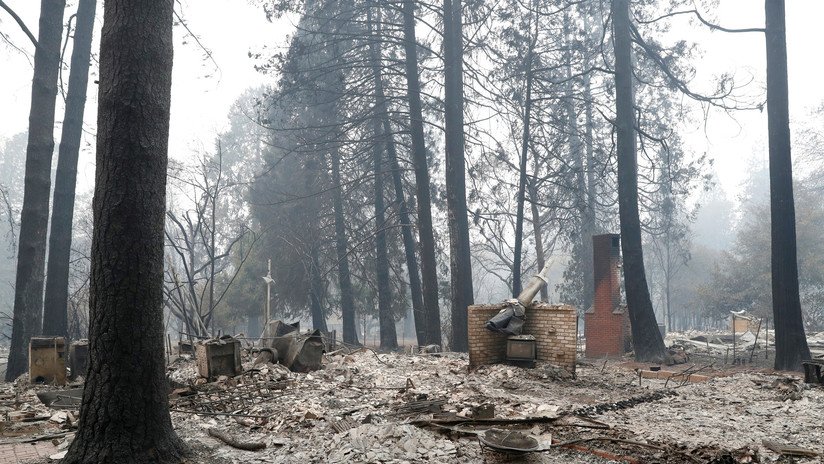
203	92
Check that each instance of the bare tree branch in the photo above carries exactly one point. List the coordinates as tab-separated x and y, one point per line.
706	23
19	22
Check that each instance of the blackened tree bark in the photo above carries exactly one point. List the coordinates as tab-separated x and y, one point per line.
426	237
316	292
389	338
418	312
55	314
460	260
347	300
388	335
647	341
382	108
790	340
34	216
124	416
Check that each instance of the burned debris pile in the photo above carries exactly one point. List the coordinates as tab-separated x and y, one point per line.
363	406
236	401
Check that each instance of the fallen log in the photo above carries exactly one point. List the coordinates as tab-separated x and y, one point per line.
789	450
235	443
675	376
496	421
562	421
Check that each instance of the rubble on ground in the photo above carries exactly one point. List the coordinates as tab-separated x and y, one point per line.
367	407
364	406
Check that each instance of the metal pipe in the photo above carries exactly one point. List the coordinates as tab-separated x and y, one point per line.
533	287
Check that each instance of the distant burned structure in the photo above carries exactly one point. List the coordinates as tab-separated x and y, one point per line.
606	323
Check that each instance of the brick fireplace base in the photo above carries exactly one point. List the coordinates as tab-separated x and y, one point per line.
555	328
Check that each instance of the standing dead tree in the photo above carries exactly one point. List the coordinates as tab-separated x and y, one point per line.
34	217
55	315
460	261
790	340
647	341
199	271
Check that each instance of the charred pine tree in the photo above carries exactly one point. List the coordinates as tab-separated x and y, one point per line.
34	216
429	272
647	341
124	415
382	109
316	291
418	312
55	314
388	335
790	339
347	301
460	260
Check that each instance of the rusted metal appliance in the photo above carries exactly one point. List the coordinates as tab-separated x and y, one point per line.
219	356
47	360
521	349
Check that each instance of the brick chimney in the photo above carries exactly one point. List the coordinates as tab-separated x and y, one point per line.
606	323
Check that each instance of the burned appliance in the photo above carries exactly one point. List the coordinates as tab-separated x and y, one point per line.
219	356
47	360
521	349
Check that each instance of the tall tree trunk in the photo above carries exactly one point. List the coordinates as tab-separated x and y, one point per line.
212	252
400	197
426	236
124	416
540	254
519	216
55	307
790	340
460	260
522	177
316	292
668	283
34	217
578	154
647	341
588	226
347	301
418	313
388	335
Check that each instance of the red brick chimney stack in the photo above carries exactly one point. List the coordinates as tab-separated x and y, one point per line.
606	323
